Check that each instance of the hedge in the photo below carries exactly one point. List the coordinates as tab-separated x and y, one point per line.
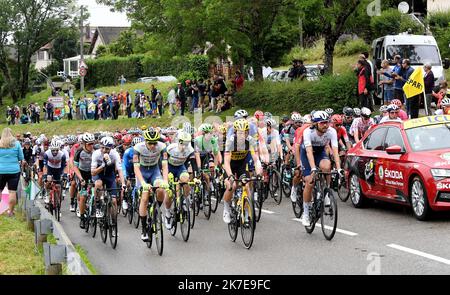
106	71
303	96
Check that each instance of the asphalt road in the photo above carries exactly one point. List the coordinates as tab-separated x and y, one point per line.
379	239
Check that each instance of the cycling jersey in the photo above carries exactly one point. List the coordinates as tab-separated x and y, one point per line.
253	130
289	133
177	157
319	142
148	157
361	126
38	151
54	162
127	163
28	155
204	146
83	160
342	134
403	115
98	160
298	138
240	148
268	138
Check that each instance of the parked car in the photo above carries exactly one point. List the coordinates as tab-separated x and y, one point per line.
312	74
157	79
405	163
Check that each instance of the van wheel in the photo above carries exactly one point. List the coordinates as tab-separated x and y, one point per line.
358	200
419	199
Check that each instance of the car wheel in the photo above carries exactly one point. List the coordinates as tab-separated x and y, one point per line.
355	192
419	199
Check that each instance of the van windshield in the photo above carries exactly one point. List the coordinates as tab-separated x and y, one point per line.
417	54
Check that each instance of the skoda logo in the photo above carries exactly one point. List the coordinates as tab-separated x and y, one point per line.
380	172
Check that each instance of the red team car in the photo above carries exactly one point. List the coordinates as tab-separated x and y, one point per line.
405	163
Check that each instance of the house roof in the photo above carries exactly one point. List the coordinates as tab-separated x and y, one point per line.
110	34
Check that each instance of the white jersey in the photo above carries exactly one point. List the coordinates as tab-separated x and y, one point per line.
273	136
312	138
98	160
38	151
177	157
55	162
386	119
149	157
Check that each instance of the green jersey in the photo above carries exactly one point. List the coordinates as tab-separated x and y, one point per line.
204	146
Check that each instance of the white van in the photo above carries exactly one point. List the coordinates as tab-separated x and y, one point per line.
419	49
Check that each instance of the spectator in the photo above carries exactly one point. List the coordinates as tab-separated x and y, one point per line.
194	92
238	81
407	70
439	93
50	111
159	101
116	106
11	155
142	107
398	85
171	100
83	108
429	84
387	82
44	108
182	98
122	80
69	114
202	93
37	110
215	92
129	104
16	114
363	84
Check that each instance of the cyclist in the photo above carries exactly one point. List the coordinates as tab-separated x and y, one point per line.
357	112
38	152
393	114
383	113
401	113
54	166
289	135
271	137
347	118
73	146
313	155
445	107
27	152
146	156
105	162
82	161
238	147
177	155
362	124
343	140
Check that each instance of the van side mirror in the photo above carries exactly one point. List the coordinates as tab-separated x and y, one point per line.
446	63
378	63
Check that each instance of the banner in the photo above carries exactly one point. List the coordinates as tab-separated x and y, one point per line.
415	84
57	101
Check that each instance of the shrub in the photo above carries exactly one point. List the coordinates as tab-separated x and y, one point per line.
392	22
307	54
189	75
351	47
303	96
440	26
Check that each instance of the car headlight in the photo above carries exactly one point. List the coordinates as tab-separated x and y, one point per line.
440	173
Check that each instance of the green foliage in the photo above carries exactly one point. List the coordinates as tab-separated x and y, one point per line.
439	19
123	46
351	47
440	26
189	75
199	64
392	22
307	54
303	96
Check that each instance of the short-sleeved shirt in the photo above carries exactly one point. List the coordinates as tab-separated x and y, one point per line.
9	159
178	157
240	148
298	138
312	138
98	160
149	157
203	146
268	138
83	160
358	124
55	162
342	133
289	133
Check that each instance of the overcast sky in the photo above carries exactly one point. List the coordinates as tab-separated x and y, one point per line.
102	16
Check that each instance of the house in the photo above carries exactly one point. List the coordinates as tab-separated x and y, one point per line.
438	6
104	36
42	57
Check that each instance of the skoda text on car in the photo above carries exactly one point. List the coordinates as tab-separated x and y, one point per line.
404	163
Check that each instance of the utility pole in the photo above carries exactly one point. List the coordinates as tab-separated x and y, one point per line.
300	25
81	49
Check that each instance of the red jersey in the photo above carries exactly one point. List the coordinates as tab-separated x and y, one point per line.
298	137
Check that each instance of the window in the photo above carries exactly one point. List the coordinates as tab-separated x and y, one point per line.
394	137
41	55
417	54
375	140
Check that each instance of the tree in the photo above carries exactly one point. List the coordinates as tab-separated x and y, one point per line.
30	24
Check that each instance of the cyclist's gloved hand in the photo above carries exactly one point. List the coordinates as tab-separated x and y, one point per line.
44	177
164	185
124	186
145	186
314	170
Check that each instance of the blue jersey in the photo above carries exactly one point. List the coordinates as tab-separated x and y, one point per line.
127	163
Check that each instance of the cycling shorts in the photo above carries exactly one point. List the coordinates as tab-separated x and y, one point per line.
87	176
319	155
177	171
204	158
238	168
109	181
150	175
55	173
249	162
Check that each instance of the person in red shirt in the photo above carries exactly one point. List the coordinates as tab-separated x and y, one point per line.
342	136
401	113
238	81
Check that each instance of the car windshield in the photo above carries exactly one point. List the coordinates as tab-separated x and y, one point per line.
312	71
428	138
417	54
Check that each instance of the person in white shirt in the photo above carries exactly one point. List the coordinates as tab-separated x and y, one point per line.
392	116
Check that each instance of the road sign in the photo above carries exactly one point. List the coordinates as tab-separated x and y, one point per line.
82	72
83	64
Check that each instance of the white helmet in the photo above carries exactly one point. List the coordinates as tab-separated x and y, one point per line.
55	145
307	119
88	137
136	140
365	112
330	111
39	141
187	127
107	141
240	114
270	122
357	111
296	117
320	116
383	108
445	102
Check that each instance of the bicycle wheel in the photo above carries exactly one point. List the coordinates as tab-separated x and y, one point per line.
215	198
103	224
286	183
233	225
206	200
175	217
262	191
93	226
158	229
192	205
113	229
275	183
312	212
185	219
149	230
247	223
131	212
343	191
136	218
329	215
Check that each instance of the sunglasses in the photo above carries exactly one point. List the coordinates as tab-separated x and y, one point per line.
396	112
298	122
338	125
348	117
324	122
90	143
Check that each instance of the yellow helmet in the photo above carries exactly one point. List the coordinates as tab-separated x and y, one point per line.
241	125
151	135
144	127
184	136
223	129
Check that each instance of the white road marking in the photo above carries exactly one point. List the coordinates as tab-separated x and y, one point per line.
420	253
263	210
342	231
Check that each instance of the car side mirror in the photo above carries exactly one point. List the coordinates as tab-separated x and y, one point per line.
446	63
394	150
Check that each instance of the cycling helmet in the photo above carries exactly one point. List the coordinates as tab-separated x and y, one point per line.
357	112
127	139
118	136
241	125
124	131
336	119
365	112
27	141
392	108
107	141
144	127
206	128
71	139
307	119
88	138
397	102
55	145
330	111
184	137
445	102
348	112
171	130
270	122
312	113
285	118
45	142
240	114
258	115
38	141
383	108
268	115
137	140
296	117
320	116
151	135
223	129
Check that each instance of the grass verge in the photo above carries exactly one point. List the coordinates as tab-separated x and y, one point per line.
18	254
85	259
